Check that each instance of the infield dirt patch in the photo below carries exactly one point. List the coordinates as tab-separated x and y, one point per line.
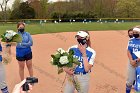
108	74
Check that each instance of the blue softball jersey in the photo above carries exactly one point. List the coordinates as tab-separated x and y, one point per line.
77	54
24	47
0	51
134	46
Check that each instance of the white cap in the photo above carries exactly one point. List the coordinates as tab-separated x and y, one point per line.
82	34
136	29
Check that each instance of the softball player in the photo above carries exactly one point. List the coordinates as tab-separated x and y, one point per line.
3	85
86	56
130	33
133	46
24	51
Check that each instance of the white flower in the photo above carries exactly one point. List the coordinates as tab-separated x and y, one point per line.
63	60
61	50
9	34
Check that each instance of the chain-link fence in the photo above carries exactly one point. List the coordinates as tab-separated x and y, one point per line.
100	20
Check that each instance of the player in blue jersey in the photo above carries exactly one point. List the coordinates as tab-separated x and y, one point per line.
3	85
24	51
130	34
134	61
86	56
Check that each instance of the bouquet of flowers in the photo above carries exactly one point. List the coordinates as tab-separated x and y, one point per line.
63	59
9	38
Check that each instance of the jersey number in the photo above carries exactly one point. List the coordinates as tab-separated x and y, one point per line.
135	50
81	65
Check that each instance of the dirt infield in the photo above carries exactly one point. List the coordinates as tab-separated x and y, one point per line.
109	71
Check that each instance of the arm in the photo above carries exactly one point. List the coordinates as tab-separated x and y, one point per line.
87	65
18	87
132	62
30	43
129	50
68	71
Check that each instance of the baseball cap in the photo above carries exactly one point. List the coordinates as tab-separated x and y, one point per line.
82	34
136	29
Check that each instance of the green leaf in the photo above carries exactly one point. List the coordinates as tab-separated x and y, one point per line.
3	38
60	70
71	52
70	58
65	54
76	62
57	56
70	64
17	38
55	61
75	59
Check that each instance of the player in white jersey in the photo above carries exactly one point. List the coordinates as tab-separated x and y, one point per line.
86	56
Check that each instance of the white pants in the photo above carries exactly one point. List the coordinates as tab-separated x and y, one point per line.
2	76
84	82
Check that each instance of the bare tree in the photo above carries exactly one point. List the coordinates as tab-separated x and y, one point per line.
3	6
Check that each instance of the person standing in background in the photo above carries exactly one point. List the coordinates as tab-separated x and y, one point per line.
134	61
24	51
3	85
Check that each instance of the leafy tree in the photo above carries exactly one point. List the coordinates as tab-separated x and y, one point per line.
24	11
16	4
127	8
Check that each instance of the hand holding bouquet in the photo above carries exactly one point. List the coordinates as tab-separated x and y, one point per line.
63	59
9	38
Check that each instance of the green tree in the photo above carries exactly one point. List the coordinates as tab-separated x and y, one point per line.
43	9
24	11
16	4
127	8
40	7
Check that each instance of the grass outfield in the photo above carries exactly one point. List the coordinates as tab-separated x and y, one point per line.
67	27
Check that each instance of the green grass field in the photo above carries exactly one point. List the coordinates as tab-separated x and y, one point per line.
67	27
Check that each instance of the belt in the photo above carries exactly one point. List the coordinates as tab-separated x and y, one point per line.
80	73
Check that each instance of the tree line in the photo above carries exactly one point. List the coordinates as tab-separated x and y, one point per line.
41	9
